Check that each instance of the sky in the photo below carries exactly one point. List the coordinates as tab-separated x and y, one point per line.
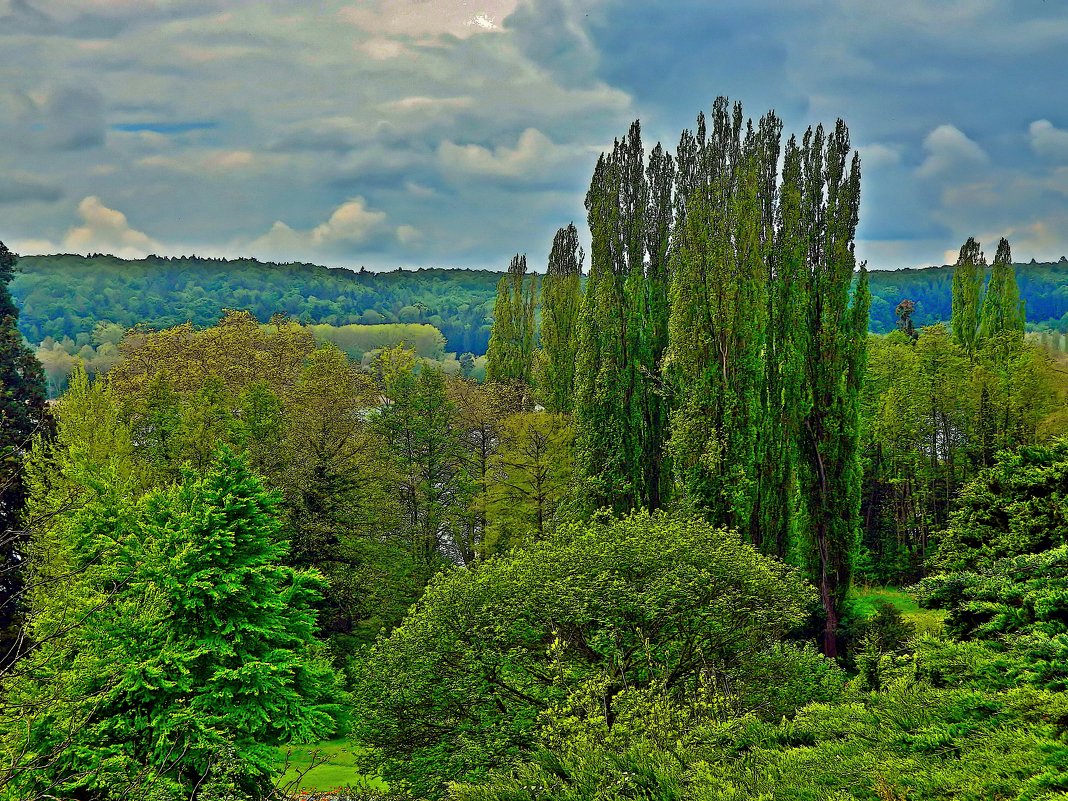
424	133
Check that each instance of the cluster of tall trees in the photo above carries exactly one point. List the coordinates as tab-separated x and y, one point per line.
940	404
719	344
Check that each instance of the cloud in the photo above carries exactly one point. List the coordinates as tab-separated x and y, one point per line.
21	188
106	230
65	118
426	17
533	154
950	151
1048	141
350	226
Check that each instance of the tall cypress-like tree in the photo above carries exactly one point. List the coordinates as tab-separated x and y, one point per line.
968	275
620	418
561	298
834	358
22	415
1003	311
719	313
510	357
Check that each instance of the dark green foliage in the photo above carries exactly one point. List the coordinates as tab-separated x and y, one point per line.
1018	506
561	299
22	416
66	296
201	643
602	608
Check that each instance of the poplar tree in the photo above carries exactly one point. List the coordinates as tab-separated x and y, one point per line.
510	357
1003	311
561	297
968	275
620	418
719	314
834	358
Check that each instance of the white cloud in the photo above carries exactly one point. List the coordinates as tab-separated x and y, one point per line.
408	234
106	230
532	150
1048	141
351	224
949	151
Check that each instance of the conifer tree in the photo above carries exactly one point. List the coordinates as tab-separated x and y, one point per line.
510	357
193	641
561	297
968	276
22	415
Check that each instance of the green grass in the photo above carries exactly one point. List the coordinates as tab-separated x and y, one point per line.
337	768
927	621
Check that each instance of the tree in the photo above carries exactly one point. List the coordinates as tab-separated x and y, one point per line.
416	419
529	478
192	640
968	276
1003	311
837	322
620	418
510	357
599	609
22	416
905	310
718	323
561	297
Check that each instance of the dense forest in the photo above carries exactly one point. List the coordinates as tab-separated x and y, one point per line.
712	526
67	297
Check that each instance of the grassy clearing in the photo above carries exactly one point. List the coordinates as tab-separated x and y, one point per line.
337	768
927	621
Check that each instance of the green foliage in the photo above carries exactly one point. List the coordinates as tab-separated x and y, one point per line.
66	296
967	283
1018	506
193	642
613	605
620	417
910	740
1003	311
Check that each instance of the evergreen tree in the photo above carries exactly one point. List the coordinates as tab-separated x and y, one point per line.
561	297
510	357
968	276
193	642
22	415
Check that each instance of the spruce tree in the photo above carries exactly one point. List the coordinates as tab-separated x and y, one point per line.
510	357
968	276
561	298
22	415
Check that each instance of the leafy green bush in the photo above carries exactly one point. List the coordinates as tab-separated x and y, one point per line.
567	628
